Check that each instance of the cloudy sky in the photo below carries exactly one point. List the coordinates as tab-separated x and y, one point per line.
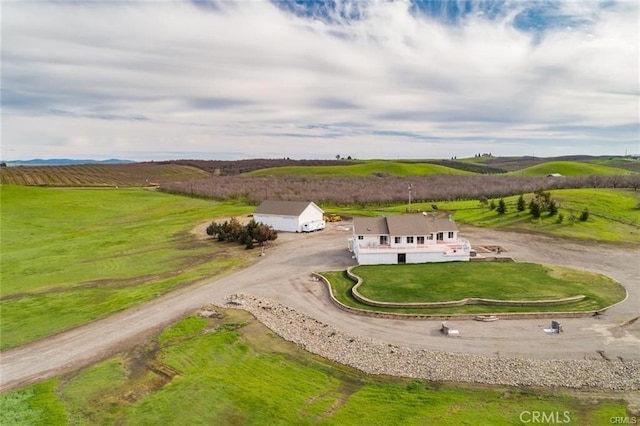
147	80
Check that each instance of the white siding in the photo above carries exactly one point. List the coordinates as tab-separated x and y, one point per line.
378	258
279	223
391	258
310	214
290	223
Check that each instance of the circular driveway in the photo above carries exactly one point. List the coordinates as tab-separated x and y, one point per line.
284	275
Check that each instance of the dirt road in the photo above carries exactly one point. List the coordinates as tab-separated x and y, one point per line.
284	275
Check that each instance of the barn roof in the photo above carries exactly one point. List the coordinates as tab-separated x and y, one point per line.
407	224
284	208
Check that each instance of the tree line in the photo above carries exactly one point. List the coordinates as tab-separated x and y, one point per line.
385	190
542	202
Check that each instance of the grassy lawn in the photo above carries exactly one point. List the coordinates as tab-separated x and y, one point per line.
614	216
441	282
367	168
73	255
437	282
235	371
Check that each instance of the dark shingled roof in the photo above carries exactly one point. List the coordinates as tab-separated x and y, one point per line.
283	208
407	224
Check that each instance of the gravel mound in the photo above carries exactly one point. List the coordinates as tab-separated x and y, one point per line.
375	357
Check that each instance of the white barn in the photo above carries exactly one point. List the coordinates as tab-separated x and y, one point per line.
288	216
410	238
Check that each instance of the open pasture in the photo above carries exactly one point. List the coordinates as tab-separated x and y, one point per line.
613	215
233	370
73	255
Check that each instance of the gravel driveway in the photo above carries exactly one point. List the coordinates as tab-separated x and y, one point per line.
283	275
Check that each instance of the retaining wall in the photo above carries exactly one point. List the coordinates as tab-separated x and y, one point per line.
454	317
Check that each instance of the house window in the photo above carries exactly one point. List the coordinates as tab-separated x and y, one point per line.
410	240
450	234
430	237
397	240
361	237
420	240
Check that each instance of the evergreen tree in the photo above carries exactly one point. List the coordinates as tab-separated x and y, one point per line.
553	209
521	204
584	215
502	207
534	209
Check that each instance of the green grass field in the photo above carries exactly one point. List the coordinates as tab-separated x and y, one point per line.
570	168
368	168
455	281
614	216
441	282
73	255
236	371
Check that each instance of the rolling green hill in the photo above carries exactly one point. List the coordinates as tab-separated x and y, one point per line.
393	168
570	168
622	163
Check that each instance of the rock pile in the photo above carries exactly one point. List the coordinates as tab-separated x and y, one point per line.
376	357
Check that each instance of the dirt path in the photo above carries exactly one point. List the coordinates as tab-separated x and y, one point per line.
284	275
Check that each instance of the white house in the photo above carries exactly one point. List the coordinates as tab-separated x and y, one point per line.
290	216
409	238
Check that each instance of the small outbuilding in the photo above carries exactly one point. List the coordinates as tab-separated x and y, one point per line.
289	216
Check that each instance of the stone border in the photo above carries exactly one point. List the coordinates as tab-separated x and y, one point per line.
468	301
441	317
373	356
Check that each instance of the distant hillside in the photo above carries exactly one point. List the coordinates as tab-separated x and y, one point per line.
134	174
513	164
236	167
366	168
570	168
64	162
469	166
627	163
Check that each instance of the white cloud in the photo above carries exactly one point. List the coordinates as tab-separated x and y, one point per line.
173	80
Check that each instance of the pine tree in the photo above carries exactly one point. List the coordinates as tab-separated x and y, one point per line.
534	209
584	215
521	204
553	209
502	207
